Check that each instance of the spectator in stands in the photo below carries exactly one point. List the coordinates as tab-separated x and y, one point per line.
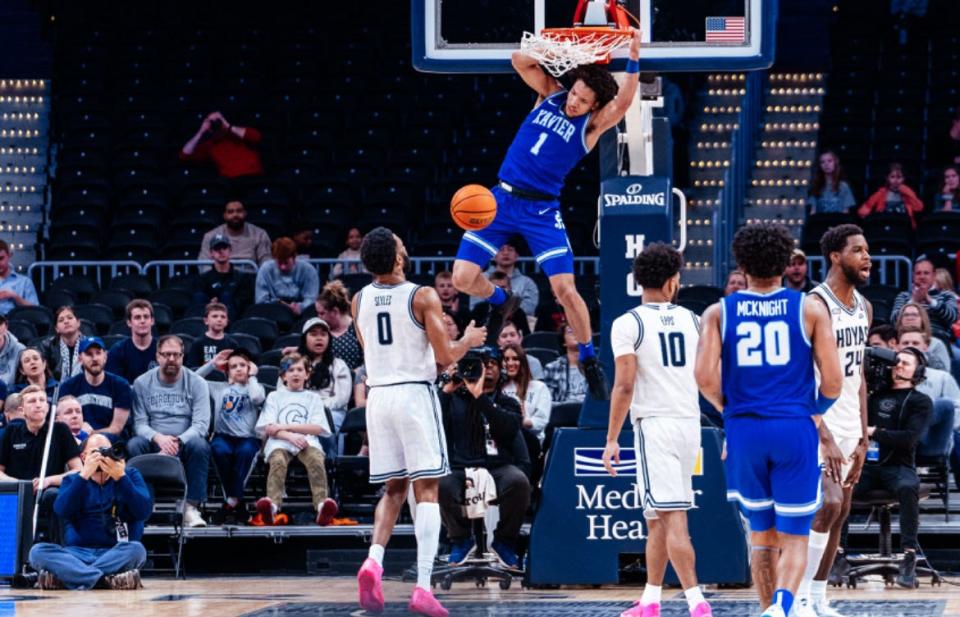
32	371
230	148
940	304
286	279
104	396
532	394
511	335
137	354
897	418
333	306
70	412
15	289
481	310
521	285
104	507
484	441
12	411
171	414
223	282
735	282
61	350
452	300
291	421
330	377
215	339
451	324
948	150
943	279
350	254
893	198
939	384
913	315
796	275
947	198
884	336
247	241
829	191
550	315
235	443
21	451
563	376
10	349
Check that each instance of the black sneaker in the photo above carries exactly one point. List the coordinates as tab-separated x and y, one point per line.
596	380
500	315
47	580
839	570
908	571
127	580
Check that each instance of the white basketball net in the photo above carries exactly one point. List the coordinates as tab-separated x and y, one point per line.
558	53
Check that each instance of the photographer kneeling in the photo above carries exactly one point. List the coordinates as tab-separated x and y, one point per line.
898	415
104	508
482	427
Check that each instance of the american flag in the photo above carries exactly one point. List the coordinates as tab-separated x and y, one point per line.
725	29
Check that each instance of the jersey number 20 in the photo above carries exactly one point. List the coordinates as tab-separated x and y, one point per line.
768	345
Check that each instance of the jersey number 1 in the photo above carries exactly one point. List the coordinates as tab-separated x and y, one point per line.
384	330
535	150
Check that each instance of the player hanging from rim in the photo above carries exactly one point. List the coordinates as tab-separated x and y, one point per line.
654	346
755	363
845	249
562	128
400	326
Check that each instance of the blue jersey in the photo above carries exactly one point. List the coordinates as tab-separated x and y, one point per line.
767	357
547	146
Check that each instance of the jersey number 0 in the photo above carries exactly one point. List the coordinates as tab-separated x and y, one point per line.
384	330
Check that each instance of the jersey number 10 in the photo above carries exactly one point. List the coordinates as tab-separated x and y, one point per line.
758	345
672	350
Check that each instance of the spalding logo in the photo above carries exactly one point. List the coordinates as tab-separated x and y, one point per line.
634	197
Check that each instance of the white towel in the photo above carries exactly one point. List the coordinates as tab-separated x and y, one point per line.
479	491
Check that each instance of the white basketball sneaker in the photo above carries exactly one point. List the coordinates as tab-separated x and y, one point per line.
823	609
803	607
774	610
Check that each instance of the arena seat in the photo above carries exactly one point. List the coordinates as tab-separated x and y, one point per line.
248	342
80	286
273	311
265	330
136	285
55	298
192	326
100	315
167	481
40	316
24	330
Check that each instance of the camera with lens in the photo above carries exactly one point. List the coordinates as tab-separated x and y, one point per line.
878	368
470	368
114	452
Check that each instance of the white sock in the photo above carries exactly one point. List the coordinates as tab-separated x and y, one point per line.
274	507
232	502
694	597
651	594
427	530
818	591
376	553
815	547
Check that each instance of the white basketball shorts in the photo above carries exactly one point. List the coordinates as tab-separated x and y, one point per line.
405	433
667	450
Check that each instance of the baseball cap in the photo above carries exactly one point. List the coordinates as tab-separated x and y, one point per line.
313	322
91	341
798	253
218	241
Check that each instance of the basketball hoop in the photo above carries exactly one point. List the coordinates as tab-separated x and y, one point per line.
562	49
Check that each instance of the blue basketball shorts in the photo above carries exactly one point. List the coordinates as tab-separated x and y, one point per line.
773	471
539	222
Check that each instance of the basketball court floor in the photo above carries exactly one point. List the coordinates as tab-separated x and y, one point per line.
329	596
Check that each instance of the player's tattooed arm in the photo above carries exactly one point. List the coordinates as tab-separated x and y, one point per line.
709	347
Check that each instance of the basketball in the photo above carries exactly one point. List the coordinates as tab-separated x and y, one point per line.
473	207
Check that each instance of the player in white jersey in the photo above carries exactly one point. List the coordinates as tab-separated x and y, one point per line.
400	326
845	248
654	347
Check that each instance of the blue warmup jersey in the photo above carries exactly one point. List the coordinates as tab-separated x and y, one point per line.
767	358
545	149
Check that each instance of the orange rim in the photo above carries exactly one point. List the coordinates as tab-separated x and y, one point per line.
584	31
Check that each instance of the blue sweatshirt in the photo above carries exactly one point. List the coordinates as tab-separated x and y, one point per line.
88	508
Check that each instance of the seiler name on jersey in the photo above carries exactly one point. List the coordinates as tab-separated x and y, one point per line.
762	308
852	336
558	124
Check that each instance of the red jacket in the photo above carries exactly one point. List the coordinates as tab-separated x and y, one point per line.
231	154
878	203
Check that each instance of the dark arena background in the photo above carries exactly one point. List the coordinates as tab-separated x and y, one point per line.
209	169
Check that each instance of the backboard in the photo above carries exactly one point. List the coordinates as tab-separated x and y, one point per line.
478	36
